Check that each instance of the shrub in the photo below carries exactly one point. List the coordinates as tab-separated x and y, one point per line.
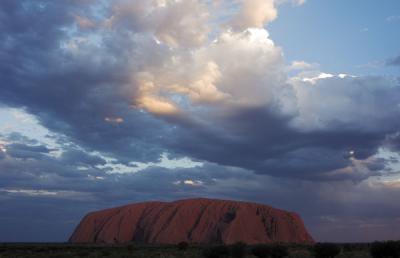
261	251
388	249
105	253
326	250
238	249
83	253
216	251
130	247
183	245
273	251
279	251
300	254
354	247
348	247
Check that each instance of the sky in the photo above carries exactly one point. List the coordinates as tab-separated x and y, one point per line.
291	103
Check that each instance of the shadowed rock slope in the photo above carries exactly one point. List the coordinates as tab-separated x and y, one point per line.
196	220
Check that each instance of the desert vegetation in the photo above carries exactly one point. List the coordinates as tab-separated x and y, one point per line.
389	249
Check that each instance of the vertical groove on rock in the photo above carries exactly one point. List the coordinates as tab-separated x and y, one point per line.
140	235
166	223
196	223
101	227
119	226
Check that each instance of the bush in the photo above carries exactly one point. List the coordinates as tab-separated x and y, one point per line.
349	247
300	254
216	251
261	251
388	249
183	246
273	251
83	253
279	251
238	250
354	247
105	253
326	250
130	247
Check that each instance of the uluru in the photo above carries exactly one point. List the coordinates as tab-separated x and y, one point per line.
203	221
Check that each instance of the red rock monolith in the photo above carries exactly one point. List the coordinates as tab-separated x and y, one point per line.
202	221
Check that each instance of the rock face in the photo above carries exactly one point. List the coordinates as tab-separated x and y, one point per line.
196	220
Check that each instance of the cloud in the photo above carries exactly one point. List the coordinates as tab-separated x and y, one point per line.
348	102
130	94
79	157
393	141
114	120
393	18
175	23
302	65
198	76
2	153
258	13
393	61
62	193
299	2
29	192
254	14
294	2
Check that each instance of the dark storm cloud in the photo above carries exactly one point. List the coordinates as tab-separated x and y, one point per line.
71	95
74	94
393	141
57	194
18	150
78	157
82	173
65	174
26	164
261	141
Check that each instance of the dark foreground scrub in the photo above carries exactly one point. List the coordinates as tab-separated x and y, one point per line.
185	250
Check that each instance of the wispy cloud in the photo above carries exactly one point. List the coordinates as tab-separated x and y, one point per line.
393	18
